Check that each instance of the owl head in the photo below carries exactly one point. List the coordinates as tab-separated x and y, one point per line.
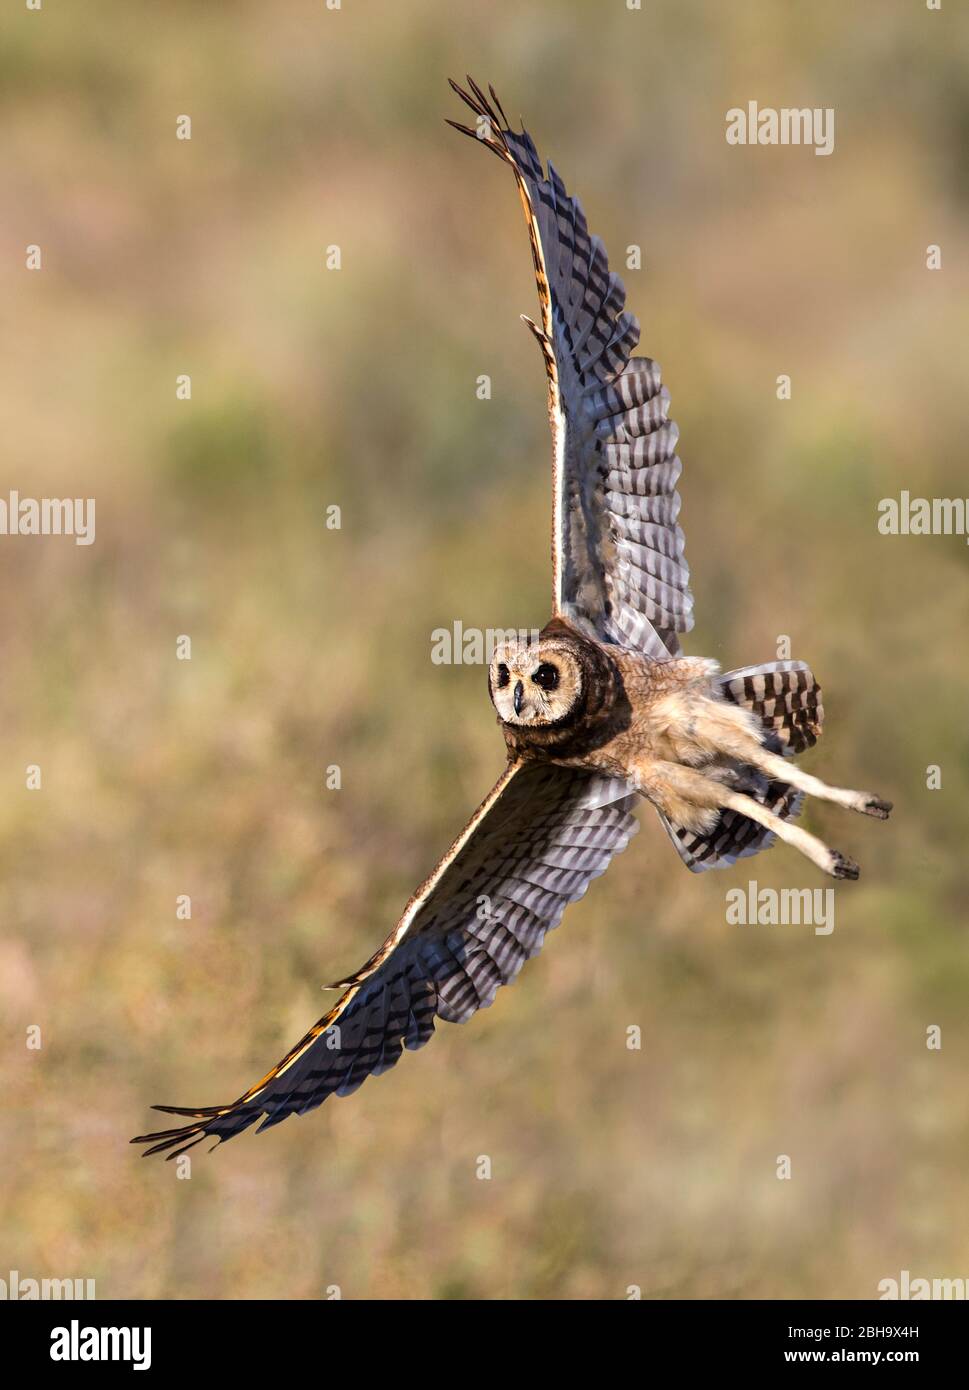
536	683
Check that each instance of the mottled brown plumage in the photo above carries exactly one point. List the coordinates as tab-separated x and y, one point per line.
600	711
675	730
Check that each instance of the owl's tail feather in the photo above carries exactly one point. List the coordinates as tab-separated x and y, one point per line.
734	836
785	697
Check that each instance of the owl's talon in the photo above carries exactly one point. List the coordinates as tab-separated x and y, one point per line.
842	866
877	807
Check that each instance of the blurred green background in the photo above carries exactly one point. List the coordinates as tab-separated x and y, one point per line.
310	388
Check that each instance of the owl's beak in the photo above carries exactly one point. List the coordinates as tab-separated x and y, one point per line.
519	697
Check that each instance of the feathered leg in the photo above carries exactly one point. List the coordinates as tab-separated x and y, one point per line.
693	799
784	769
829	861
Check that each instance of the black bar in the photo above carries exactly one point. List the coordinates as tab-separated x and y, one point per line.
225	1337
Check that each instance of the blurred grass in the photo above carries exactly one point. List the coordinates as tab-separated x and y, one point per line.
312	646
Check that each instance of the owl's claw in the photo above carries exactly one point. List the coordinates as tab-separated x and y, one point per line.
842	866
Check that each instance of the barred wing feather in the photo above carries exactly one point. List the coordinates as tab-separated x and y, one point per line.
617	550
533	846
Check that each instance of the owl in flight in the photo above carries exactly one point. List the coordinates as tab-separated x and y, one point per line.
600	711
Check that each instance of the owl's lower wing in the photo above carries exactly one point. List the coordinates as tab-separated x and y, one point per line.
617	551
532	847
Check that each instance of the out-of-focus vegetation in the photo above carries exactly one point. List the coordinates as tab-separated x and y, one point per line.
311	647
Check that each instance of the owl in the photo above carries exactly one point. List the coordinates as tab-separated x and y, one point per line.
599	712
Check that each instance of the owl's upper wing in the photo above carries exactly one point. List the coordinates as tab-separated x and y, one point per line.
532	847
617	551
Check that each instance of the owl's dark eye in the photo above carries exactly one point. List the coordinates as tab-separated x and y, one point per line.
547	676
502	676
